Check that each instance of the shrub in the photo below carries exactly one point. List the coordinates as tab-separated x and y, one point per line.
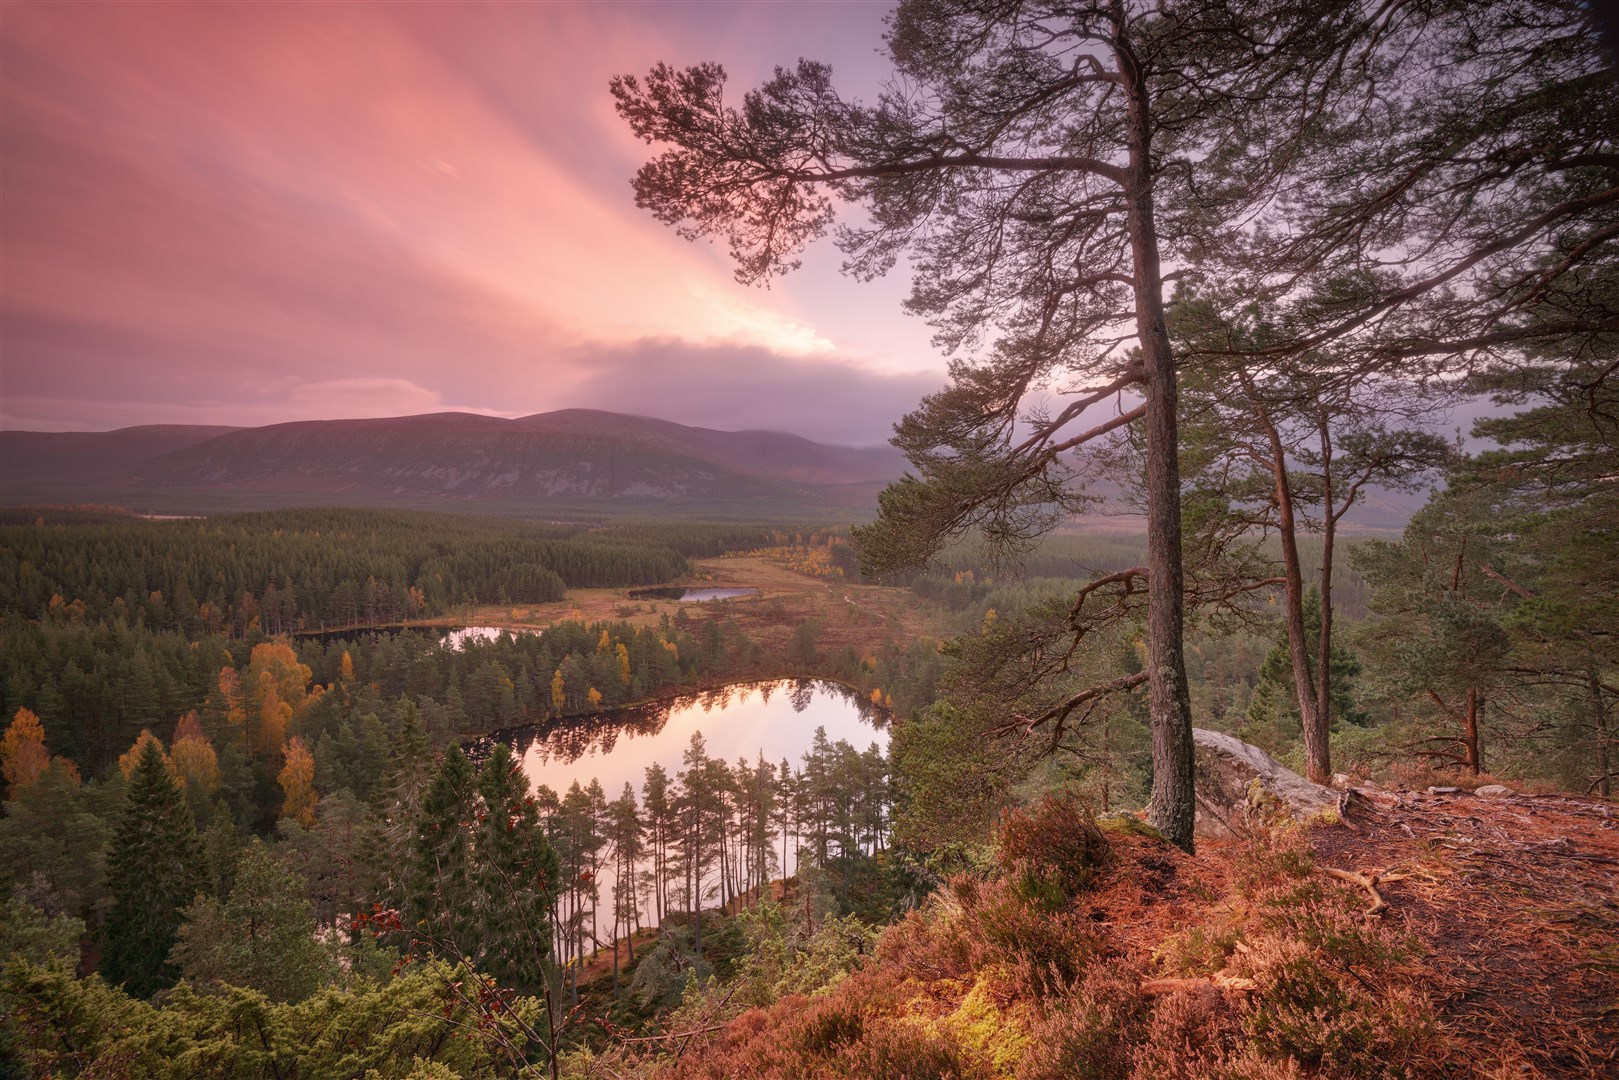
1304	1009
1272	856
1052	852
1330	918
895	1050
998	926
1199	950
1188	1036
1087	1034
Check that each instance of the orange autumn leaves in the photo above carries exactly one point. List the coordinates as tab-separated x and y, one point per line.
257	709
297	780
23	757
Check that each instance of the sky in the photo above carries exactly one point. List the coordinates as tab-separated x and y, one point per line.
249	213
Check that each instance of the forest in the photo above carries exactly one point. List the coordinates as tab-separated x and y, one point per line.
263	818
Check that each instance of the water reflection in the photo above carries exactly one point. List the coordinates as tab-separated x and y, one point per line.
462	636
743	726
689	596
743	720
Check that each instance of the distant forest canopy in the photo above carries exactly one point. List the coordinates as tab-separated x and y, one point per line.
301	570
113	625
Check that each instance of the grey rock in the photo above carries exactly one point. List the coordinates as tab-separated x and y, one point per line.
1494	791
1239	786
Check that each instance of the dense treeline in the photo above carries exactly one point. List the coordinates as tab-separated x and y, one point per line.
291	570
417	863
97	686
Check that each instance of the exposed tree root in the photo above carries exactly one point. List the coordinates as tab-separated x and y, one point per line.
1368	881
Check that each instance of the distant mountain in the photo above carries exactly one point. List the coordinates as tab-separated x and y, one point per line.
573	454
565	458
92	457
768	454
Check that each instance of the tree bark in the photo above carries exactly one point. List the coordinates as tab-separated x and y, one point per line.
1604	784
1323	652
1173	807
1475	751
1316	750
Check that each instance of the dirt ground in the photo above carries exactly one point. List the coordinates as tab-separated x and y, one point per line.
1516	900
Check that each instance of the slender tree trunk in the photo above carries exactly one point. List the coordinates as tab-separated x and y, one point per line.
1173	807
1323	652
1599	717
1475	751
697	884
1317	751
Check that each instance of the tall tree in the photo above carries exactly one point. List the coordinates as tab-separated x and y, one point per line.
1558	455
297	780
514	877
1041	163
1290	448
153	872
440	877
53	845
1439	637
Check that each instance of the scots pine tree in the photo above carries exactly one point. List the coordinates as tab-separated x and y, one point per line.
262	936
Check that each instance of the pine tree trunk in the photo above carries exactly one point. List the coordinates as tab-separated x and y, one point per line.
1604	785
1317	751
1475	751
1323	652
1173	807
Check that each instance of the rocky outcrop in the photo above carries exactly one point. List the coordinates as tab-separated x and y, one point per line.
1494	791
1239	785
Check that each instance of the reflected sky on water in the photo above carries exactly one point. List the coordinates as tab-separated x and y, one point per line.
776	718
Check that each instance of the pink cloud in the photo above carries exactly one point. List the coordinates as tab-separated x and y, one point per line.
202	200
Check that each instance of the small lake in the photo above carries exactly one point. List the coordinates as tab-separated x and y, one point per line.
775	720
462	636
689	596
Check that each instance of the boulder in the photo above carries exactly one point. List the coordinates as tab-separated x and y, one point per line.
1239	785
1494	791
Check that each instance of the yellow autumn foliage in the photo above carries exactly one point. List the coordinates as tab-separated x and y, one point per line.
297	780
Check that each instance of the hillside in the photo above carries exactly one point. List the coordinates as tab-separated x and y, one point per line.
1106	953
769	454
570	455
71	458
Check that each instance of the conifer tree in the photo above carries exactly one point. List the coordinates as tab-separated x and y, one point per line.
1047	168
514	877
262	936
153	872
440	907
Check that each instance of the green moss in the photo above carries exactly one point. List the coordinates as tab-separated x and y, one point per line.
1118	822
986	1031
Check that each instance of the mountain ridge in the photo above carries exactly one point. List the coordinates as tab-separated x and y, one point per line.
571	453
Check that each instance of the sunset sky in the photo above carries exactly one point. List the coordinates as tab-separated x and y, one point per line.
251	213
